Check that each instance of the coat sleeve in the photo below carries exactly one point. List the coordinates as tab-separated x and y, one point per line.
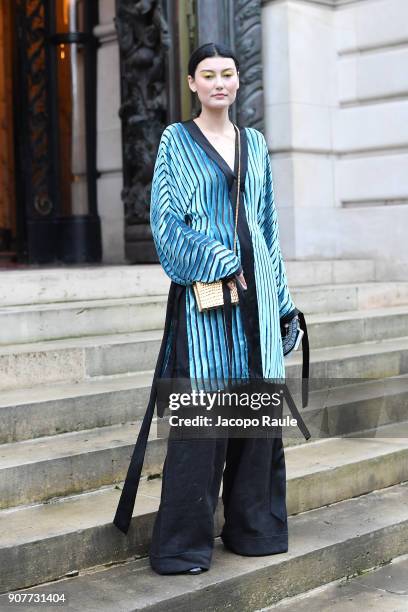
268	220
185	254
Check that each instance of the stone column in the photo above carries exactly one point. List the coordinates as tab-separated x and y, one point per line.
109	138
299	91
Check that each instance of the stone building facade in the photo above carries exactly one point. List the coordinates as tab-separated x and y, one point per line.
336	117
335	89
331	83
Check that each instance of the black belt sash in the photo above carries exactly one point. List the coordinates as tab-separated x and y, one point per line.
127	499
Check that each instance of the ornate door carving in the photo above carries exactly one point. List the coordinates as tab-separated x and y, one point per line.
155	39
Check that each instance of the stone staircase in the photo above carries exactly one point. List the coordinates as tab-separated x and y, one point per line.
77	348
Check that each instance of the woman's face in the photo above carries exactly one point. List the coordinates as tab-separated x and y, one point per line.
215	81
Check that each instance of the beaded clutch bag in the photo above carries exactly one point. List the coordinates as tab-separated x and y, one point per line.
210	295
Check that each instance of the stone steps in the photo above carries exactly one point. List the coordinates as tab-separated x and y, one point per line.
329	298
78	348
353	408
76	532
77	359
46	467
338	328
374	359
41	322
50	321
81	283
383	589
74	360
49	410
41	469
342	539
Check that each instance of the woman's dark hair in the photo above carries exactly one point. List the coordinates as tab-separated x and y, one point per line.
209	50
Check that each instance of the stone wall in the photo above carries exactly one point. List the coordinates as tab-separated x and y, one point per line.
336	86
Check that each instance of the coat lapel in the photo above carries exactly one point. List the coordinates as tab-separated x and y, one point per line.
198	136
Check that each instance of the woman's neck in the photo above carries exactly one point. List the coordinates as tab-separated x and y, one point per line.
217	122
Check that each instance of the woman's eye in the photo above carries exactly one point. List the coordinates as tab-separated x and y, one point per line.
210	76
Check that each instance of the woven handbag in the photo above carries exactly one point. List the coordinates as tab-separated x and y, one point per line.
210	295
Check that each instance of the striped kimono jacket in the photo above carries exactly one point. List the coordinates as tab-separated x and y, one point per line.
192	217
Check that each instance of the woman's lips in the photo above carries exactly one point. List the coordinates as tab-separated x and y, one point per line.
219	95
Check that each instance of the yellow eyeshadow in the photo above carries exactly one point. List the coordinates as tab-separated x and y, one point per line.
208	73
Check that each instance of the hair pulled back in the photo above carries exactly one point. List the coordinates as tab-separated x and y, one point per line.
209	50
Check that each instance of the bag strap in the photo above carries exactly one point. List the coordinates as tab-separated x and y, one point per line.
238	135
225	289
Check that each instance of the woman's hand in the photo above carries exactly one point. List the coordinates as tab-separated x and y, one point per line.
240	278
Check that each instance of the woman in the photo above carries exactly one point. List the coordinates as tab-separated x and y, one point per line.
192	216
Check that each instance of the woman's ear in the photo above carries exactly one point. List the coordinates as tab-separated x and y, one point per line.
191	83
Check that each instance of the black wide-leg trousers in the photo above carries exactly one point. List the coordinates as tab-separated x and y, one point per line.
254	500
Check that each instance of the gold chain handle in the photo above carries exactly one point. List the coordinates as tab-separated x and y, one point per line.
238	186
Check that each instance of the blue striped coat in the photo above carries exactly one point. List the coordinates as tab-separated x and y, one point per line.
192	221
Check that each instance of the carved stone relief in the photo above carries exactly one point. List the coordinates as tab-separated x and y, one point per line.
248	47
143	41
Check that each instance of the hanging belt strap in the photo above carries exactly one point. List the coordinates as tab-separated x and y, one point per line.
305	379
295	412
305	359
127	499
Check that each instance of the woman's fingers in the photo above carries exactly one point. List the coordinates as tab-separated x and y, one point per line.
241	279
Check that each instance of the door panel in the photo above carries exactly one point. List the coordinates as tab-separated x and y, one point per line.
7	190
